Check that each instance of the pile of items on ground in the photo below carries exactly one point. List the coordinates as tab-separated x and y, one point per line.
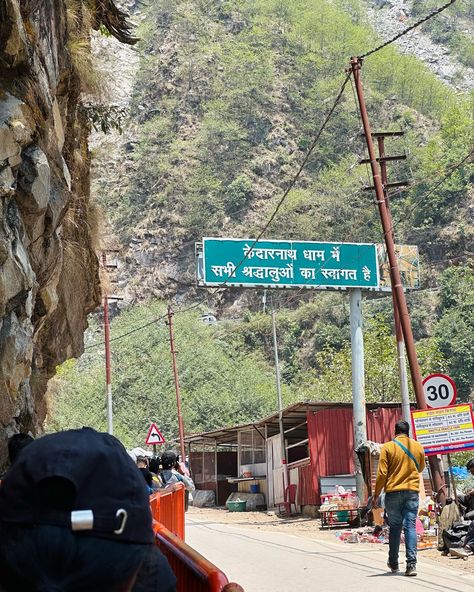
452	532
456	531
338	508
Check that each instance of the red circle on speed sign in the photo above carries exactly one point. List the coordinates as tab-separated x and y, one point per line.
440	391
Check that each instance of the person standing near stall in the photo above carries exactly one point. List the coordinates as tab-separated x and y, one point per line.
401	462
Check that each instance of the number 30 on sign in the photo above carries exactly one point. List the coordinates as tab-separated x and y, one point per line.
440	391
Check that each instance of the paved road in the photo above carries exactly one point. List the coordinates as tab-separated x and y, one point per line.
263	561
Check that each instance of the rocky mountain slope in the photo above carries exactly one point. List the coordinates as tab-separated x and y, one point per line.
157	182
395	15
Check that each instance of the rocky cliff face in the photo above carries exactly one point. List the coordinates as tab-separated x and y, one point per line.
49	278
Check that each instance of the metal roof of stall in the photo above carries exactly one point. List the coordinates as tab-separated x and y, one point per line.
294	423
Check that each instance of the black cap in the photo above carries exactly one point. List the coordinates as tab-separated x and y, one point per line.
169	459
109	500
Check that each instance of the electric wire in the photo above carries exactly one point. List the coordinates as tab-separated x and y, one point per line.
296	176
451	169
134	330
445	175
368	302
407	30
267	224
448	171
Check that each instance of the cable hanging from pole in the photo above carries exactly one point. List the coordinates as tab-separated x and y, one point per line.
306	158
134	330
408	29
283	197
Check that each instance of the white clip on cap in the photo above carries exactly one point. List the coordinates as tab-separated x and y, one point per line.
82	520
124	515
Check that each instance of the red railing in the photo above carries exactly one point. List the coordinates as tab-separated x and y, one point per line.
193	571
167	507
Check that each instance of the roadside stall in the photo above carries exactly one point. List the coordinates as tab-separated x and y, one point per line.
247	459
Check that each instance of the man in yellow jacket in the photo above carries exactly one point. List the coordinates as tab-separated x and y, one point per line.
401	461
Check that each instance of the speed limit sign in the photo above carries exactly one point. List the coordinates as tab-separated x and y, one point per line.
440	390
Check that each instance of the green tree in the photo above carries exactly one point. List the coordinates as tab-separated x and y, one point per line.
455	330
221	384
331	379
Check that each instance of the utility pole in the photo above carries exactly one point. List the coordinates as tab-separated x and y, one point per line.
176	384
397	287
358	385
402	369
108	373
284	460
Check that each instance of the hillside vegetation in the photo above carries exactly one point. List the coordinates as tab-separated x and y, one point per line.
228	97
453	28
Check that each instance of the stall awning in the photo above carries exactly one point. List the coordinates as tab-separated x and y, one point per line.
294	420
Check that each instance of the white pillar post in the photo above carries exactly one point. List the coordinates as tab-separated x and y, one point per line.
358	383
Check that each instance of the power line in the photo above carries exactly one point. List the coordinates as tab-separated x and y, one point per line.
408	29
152	322
283	197
296	176
380	300
447	173
432	176
292	298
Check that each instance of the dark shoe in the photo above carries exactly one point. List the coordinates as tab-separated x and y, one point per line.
393	567
410	570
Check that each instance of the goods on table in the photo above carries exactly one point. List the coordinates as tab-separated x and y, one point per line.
380	536
340	507
339	501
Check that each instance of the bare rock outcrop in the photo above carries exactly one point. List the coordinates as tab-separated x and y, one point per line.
390	17
49	278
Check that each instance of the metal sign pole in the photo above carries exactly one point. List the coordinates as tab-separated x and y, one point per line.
280	406
358	384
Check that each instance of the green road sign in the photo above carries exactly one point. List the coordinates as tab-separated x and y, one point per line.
288	264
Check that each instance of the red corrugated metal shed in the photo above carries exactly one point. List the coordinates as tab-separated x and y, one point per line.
331	439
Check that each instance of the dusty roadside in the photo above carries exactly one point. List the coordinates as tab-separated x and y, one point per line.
308	528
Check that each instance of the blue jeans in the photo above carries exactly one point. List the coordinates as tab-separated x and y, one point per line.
402	510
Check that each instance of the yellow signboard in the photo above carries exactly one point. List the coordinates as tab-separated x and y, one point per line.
444	430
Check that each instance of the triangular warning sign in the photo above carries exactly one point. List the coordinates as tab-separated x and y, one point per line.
154	435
